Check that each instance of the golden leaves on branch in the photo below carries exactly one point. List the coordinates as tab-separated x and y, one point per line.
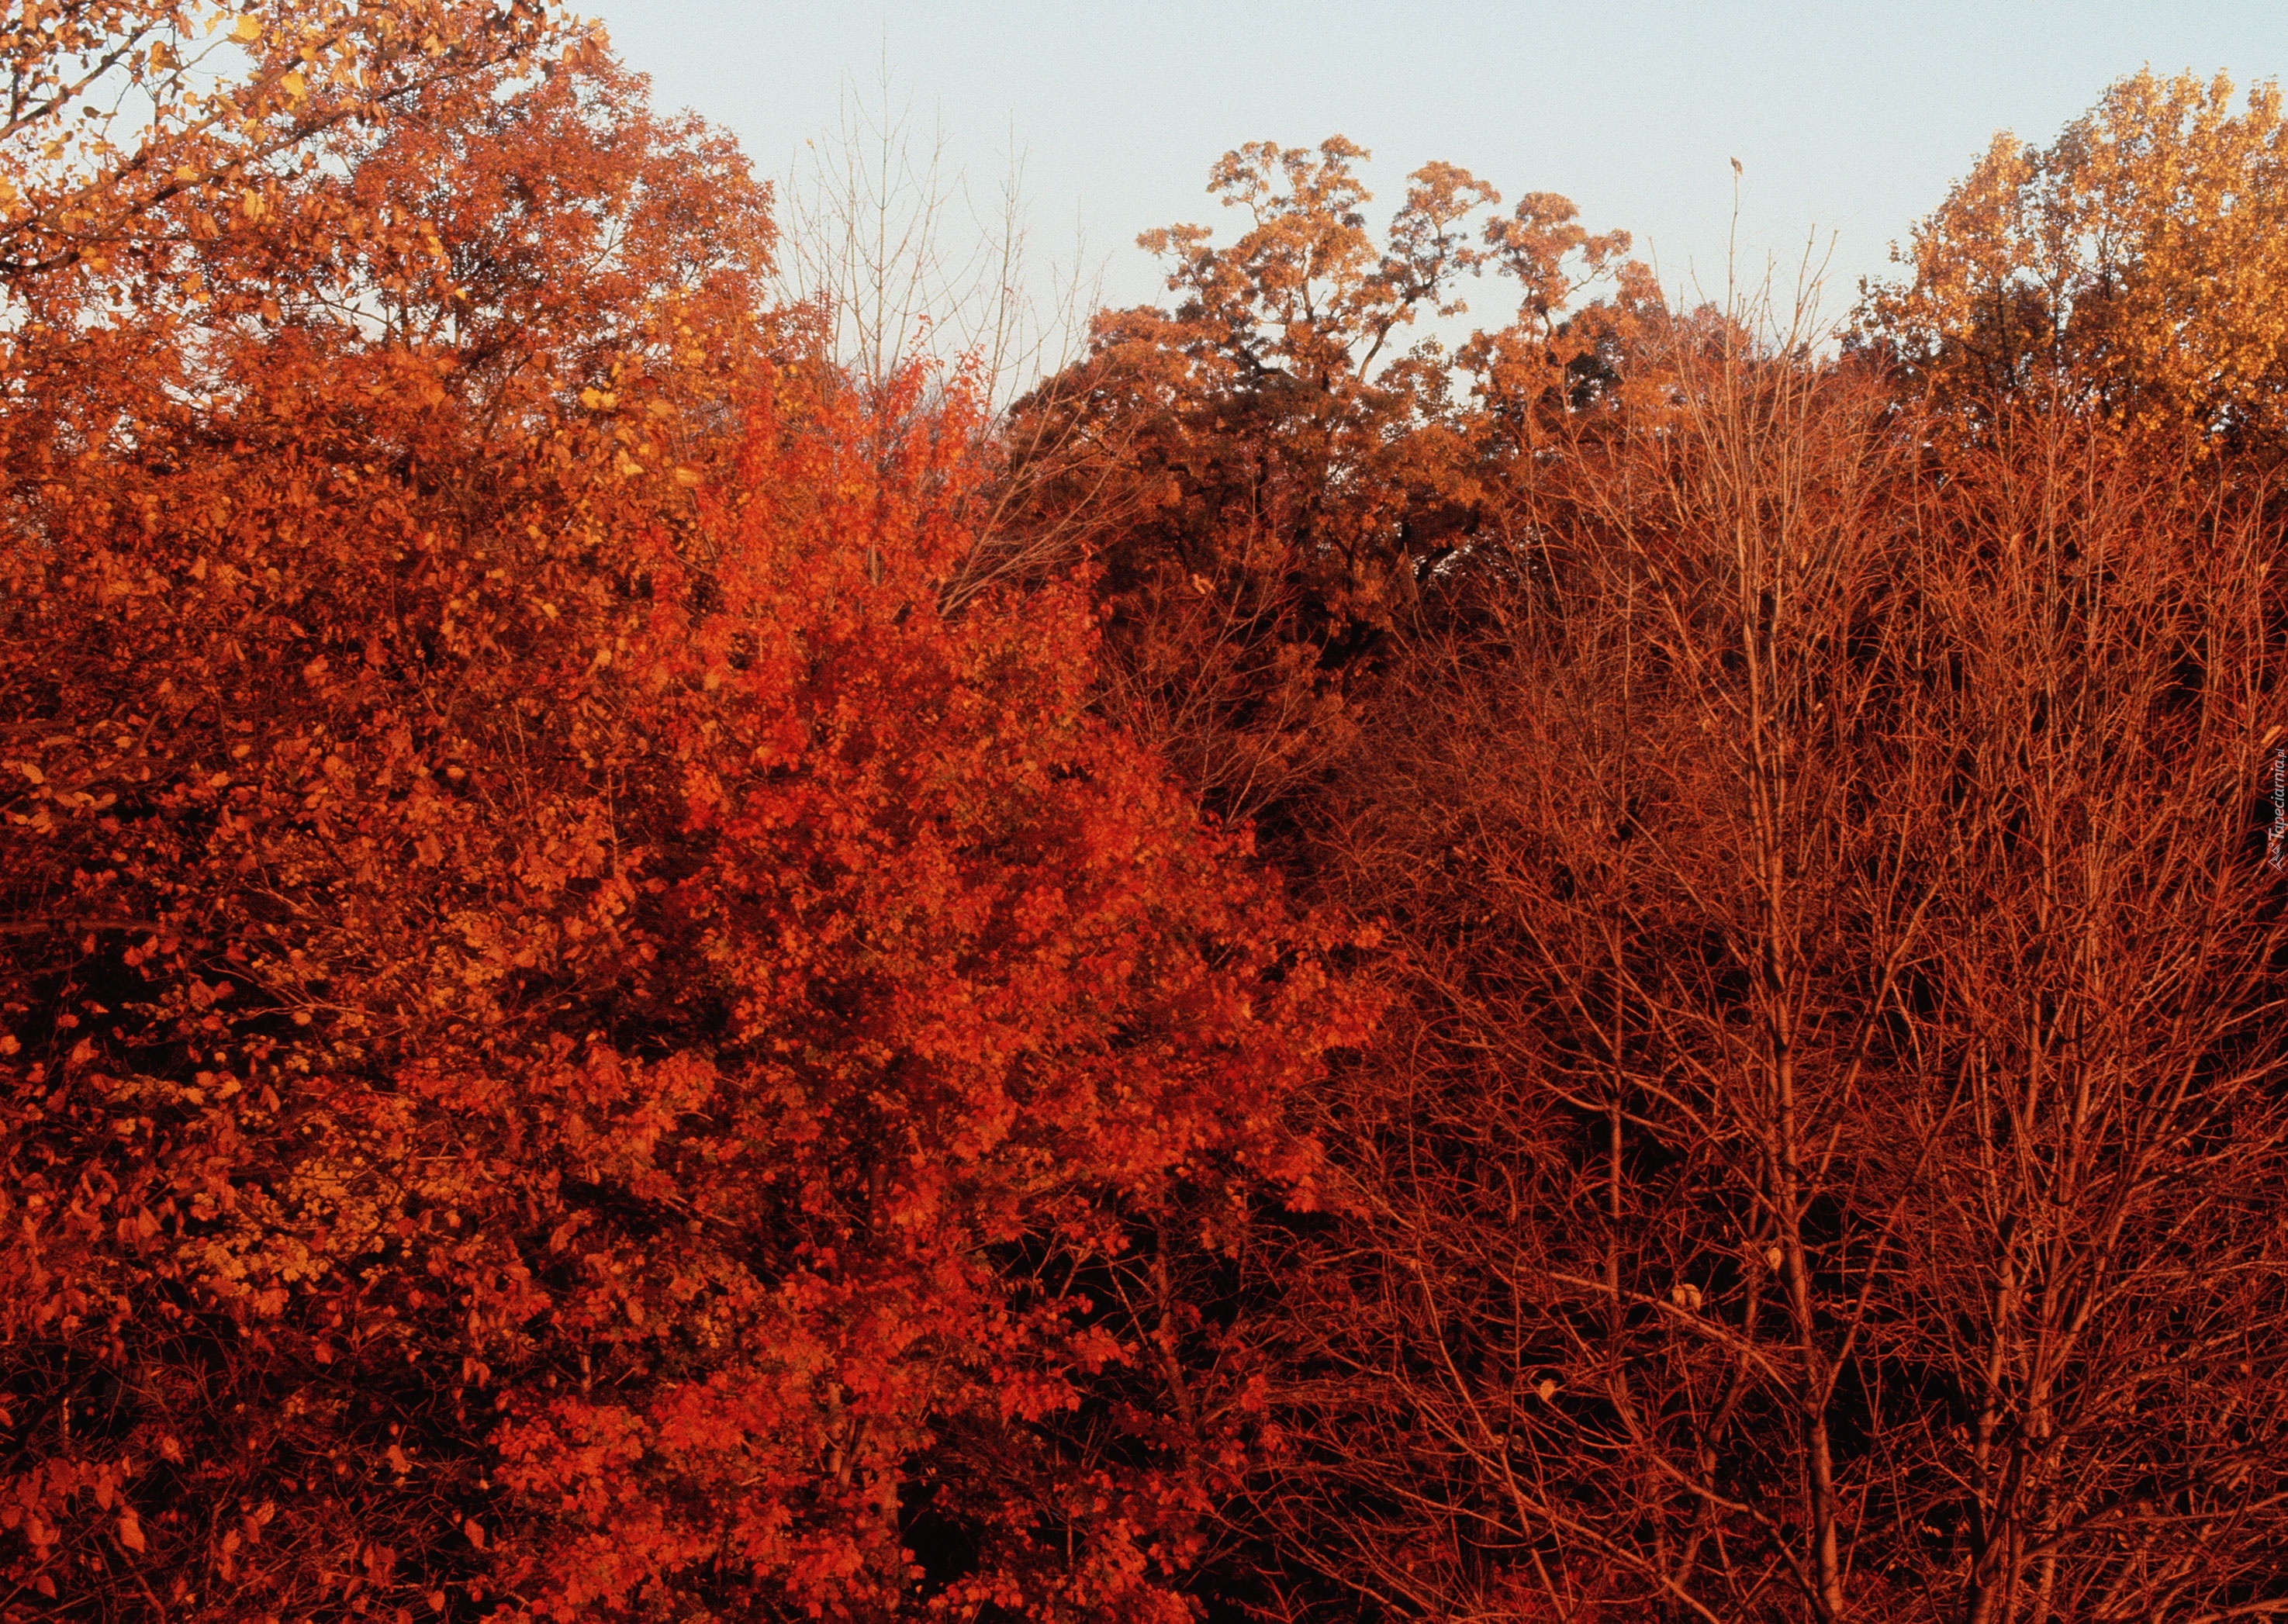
2139	264
212	108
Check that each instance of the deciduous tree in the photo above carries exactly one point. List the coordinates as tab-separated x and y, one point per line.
575	1044
1816	1164
2135	264
1272	471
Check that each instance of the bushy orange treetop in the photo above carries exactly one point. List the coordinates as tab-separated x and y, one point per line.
2134	266
570	1045
1275	472
129	121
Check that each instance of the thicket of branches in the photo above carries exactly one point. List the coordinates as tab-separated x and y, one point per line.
658	961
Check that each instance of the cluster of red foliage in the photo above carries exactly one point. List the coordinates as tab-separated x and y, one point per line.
575	1044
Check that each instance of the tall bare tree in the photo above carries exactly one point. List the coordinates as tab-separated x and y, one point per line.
1819	1165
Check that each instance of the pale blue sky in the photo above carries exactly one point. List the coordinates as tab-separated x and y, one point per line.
1851	120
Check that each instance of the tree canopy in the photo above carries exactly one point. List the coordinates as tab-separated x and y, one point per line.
575	1045
2137	262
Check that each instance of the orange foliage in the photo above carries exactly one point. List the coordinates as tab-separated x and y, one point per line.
1276	479
568	1033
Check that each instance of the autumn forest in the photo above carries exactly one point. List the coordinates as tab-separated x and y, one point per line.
1598	959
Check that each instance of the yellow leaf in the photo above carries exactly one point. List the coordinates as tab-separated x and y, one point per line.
130	1531
247	31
